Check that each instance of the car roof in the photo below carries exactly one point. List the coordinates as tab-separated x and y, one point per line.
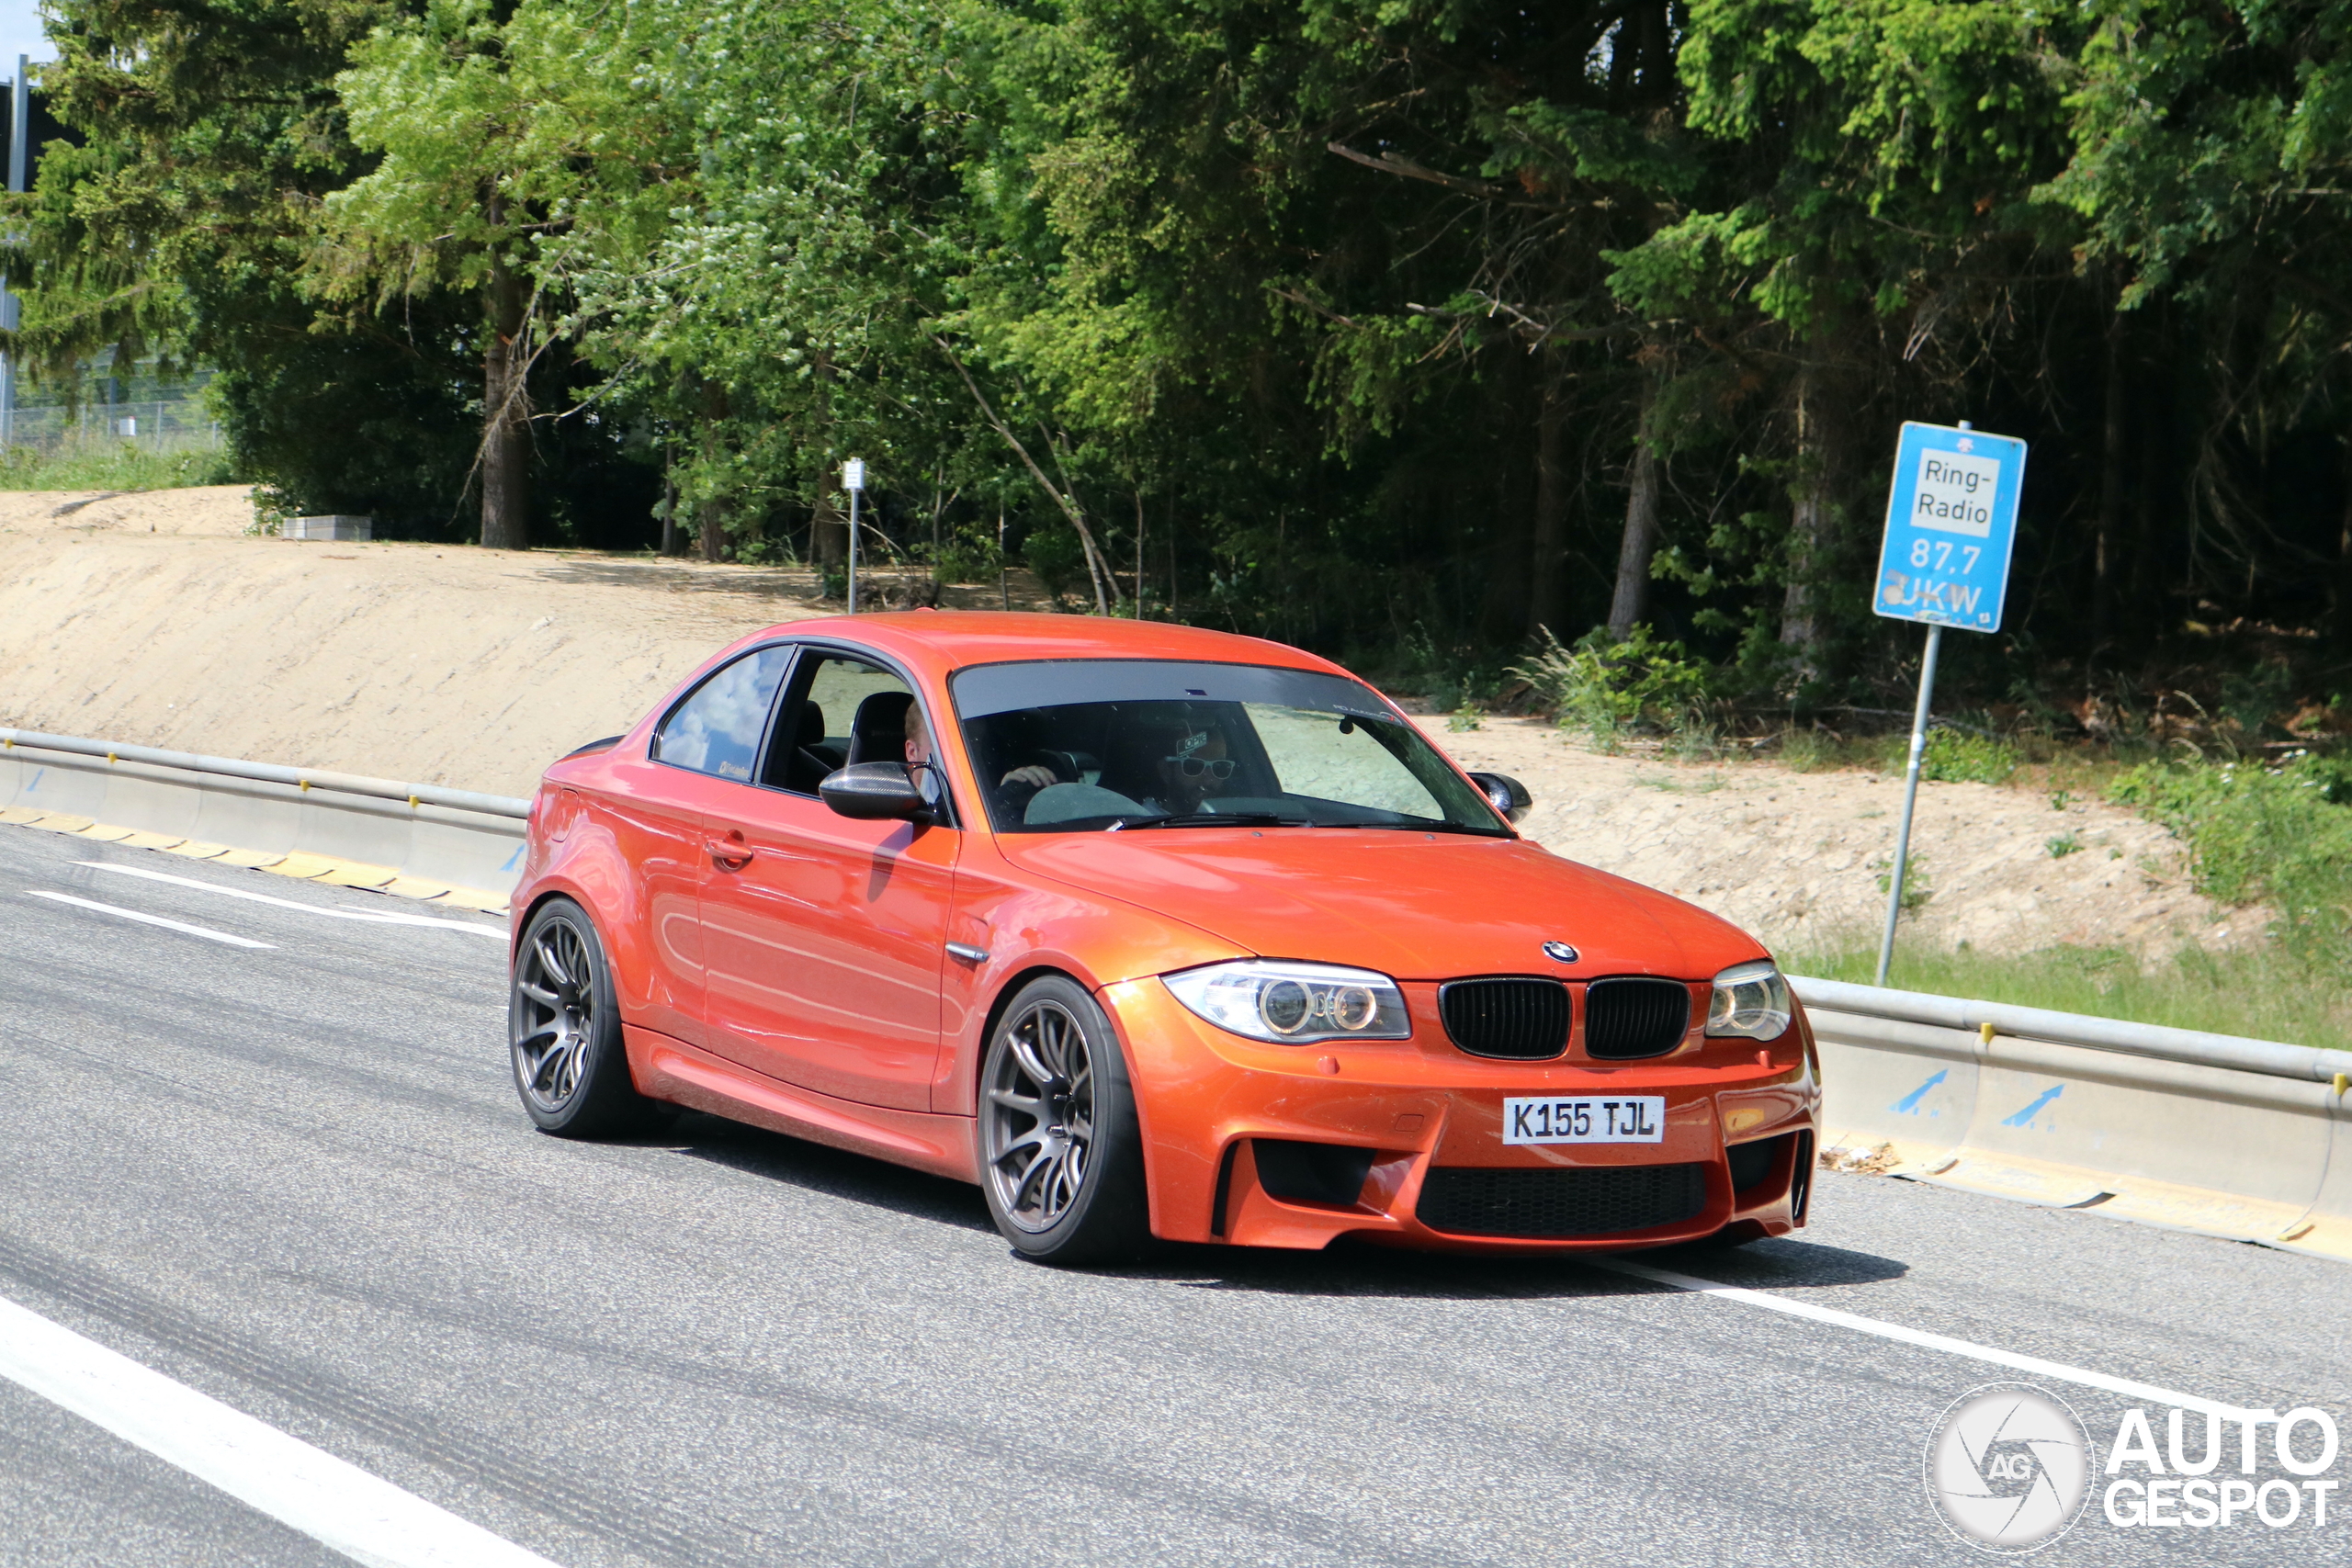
938	642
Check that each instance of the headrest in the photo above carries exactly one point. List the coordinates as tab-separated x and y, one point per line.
878	733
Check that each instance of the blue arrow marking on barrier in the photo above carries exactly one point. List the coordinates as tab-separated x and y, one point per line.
2025	1118
513	858
1909	1104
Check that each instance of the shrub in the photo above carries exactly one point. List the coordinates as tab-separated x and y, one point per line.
1606	688
2261	833
1956	757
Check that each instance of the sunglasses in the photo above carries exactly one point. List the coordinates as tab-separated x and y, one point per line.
1219	768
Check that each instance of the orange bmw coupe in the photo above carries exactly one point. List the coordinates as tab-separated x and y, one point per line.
1150	931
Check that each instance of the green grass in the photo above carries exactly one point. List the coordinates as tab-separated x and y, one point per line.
2266	994
112	464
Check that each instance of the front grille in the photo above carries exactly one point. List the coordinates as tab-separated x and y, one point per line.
1556	1202
1631	1017
1525	1020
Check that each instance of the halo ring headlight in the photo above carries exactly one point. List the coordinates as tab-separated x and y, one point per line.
1293	1003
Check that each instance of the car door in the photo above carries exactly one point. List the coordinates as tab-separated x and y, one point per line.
823	937
703	750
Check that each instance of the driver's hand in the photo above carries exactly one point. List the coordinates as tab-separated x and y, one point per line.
1036	775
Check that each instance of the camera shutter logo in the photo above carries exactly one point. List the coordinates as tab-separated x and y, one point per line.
2008	1468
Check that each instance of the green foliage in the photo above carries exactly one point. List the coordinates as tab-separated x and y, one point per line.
2255	834
1609	688
1918	886
113	465
2064	844
1955	756
2264	994
1354	312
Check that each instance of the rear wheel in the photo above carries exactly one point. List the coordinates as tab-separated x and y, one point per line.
564	1031
1061	1156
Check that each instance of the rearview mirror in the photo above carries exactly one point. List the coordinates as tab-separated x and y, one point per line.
875	792
1509	796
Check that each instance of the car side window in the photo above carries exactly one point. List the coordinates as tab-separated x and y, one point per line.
718	729
845	710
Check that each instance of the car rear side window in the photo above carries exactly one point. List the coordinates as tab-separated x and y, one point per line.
718	729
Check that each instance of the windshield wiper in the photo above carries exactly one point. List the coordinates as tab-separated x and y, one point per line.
1216	820
1417	828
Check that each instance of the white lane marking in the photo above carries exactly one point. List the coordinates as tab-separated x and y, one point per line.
2034	1364
337	1503
380	916
205	931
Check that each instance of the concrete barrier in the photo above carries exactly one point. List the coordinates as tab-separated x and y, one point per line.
417	840
2242	1138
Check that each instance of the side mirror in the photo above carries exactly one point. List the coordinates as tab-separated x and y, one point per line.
1509	796
875	792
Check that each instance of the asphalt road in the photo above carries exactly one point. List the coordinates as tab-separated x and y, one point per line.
295	1178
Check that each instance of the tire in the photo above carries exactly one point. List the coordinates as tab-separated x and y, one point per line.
1061	1155
563	1032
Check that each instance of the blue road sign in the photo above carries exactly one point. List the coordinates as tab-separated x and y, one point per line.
1951	522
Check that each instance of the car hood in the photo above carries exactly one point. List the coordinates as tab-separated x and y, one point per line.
1414	906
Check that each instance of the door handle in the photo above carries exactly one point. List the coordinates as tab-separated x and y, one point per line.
730	852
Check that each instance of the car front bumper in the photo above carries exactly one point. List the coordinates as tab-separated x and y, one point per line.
1206	1098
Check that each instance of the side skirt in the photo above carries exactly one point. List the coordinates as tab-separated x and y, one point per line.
670	1069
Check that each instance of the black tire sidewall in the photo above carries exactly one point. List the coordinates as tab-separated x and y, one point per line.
605	1100
1110	1220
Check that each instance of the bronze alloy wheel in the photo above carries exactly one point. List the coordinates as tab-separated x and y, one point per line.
563	1030
554	1014
1039	1124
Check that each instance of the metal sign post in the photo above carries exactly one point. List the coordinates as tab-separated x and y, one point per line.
853	481
1951	519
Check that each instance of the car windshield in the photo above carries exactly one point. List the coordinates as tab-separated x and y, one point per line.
1068	746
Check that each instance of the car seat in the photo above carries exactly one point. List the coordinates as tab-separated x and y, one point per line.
878	733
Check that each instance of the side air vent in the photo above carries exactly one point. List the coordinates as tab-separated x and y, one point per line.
1561	1202
1521	1018
1633	1016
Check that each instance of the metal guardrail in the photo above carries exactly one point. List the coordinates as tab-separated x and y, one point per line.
2275	1059
304	779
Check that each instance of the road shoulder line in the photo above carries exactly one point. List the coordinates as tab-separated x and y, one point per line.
331	1500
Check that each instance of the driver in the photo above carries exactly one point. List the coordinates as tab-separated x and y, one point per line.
1194	773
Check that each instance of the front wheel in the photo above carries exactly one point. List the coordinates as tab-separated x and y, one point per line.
1061	1155
563	1030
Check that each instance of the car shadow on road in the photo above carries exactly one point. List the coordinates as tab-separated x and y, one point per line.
837	1173
1352	1269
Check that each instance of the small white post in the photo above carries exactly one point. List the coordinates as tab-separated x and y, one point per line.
853	481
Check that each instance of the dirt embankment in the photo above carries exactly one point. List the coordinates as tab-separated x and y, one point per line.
154	619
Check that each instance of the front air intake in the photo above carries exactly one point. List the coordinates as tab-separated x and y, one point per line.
1560	1203
1631	1016
1523	1018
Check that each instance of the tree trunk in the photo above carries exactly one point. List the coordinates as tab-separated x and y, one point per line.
828	528
1629	604
672	542
1548	532
1815	546
712	516
2342	595
2106	544
506	411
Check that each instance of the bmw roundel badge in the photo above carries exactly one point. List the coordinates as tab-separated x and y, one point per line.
1561	951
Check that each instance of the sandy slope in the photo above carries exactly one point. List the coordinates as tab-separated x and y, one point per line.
153	619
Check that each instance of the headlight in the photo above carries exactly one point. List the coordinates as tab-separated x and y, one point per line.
1292	1004
1751	1000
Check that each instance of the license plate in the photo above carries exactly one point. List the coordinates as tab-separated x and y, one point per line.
1586	1119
